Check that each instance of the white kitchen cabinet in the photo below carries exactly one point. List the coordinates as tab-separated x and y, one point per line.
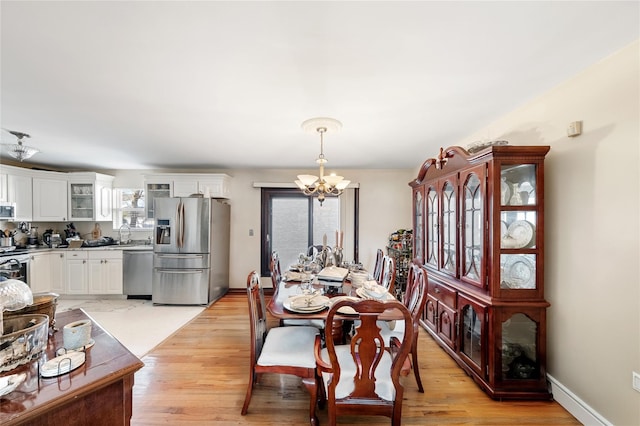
39	278
58	265
76	266
105	272
50	198
20	192
90	196
214	185
3	187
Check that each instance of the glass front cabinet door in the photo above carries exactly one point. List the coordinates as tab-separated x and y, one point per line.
483	219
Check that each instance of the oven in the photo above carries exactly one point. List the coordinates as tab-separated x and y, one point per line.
14	266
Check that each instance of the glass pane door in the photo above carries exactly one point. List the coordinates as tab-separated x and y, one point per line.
473	233
449	227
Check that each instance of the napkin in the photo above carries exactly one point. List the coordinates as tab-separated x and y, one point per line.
293	276
307	301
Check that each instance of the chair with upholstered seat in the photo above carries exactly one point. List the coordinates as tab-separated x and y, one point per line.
280	350
276	277
363	377
377	268
415	298
388	274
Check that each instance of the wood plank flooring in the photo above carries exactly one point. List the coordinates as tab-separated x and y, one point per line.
199	377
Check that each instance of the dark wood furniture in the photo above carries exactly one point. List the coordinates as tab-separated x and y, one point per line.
479	228
96	393
279	350
363	377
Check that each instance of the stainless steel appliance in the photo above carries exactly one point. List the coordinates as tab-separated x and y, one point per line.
190	250
137	273
15	265
7	211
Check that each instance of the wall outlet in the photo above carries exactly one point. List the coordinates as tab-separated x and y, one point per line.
251	232
636	381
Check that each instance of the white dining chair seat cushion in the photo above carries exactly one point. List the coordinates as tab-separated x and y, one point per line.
384	385
289	346
387	332
317	323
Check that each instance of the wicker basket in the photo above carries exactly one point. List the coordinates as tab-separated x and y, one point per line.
43	303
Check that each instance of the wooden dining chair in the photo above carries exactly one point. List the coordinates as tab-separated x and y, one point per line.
415	298
377	268
280	350
388	274
363	377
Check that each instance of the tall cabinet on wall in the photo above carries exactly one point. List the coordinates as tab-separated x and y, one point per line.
479	231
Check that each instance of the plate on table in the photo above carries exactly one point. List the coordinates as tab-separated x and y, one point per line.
520	273
363	294
348	310
62	364
520	233
9	383
299	305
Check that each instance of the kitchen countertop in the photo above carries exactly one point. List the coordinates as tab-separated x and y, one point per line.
126	247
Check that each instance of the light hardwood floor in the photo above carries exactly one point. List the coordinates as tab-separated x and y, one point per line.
199	376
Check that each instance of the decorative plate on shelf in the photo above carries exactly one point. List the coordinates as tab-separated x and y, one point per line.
520	273
520	234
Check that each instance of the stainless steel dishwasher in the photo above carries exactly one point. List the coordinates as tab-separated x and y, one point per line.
137	273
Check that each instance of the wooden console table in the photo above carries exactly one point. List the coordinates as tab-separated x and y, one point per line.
98	393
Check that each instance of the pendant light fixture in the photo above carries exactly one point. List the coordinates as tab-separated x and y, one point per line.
17	150
321	185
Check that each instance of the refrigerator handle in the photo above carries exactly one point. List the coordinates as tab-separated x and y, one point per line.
180	224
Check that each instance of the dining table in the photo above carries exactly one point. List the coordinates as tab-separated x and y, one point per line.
280	307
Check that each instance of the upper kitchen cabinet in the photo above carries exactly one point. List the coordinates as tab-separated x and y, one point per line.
3	187
19	191
215	185
50	197
90	196
211	185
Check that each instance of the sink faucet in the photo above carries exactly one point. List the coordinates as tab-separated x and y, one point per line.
125	232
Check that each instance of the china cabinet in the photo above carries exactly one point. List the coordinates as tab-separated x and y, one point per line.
90	196
478	229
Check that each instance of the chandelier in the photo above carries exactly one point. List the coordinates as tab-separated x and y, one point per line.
17	150
322	185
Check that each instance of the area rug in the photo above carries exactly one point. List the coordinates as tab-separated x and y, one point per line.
137	324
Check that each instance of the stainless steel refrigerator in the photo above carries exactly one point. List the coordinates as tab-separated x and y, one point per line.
190	250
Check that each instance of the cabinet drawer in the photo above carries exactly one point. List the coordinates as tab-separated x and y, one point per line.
76	254
444	294
105	254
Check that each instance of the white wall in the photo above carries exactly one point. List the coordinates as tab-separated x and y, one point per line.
592	230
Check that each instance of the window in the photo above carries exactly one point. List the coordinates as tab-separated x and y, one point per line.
292	222
129	209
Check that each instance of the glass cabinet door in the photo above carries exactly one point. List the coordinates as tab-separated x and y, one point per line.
449	227
418	224
156	190
472	333
473	226
432	236
519	269
519	349
82	201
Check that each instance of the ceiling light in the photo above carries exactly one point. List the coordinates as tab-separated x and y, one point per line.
17	150
322	185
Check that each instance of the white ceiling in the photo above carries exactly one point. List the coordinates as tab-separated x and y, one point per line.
208	84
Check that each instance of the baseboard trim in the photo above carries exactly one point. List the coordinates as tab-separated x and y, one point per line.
576	406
